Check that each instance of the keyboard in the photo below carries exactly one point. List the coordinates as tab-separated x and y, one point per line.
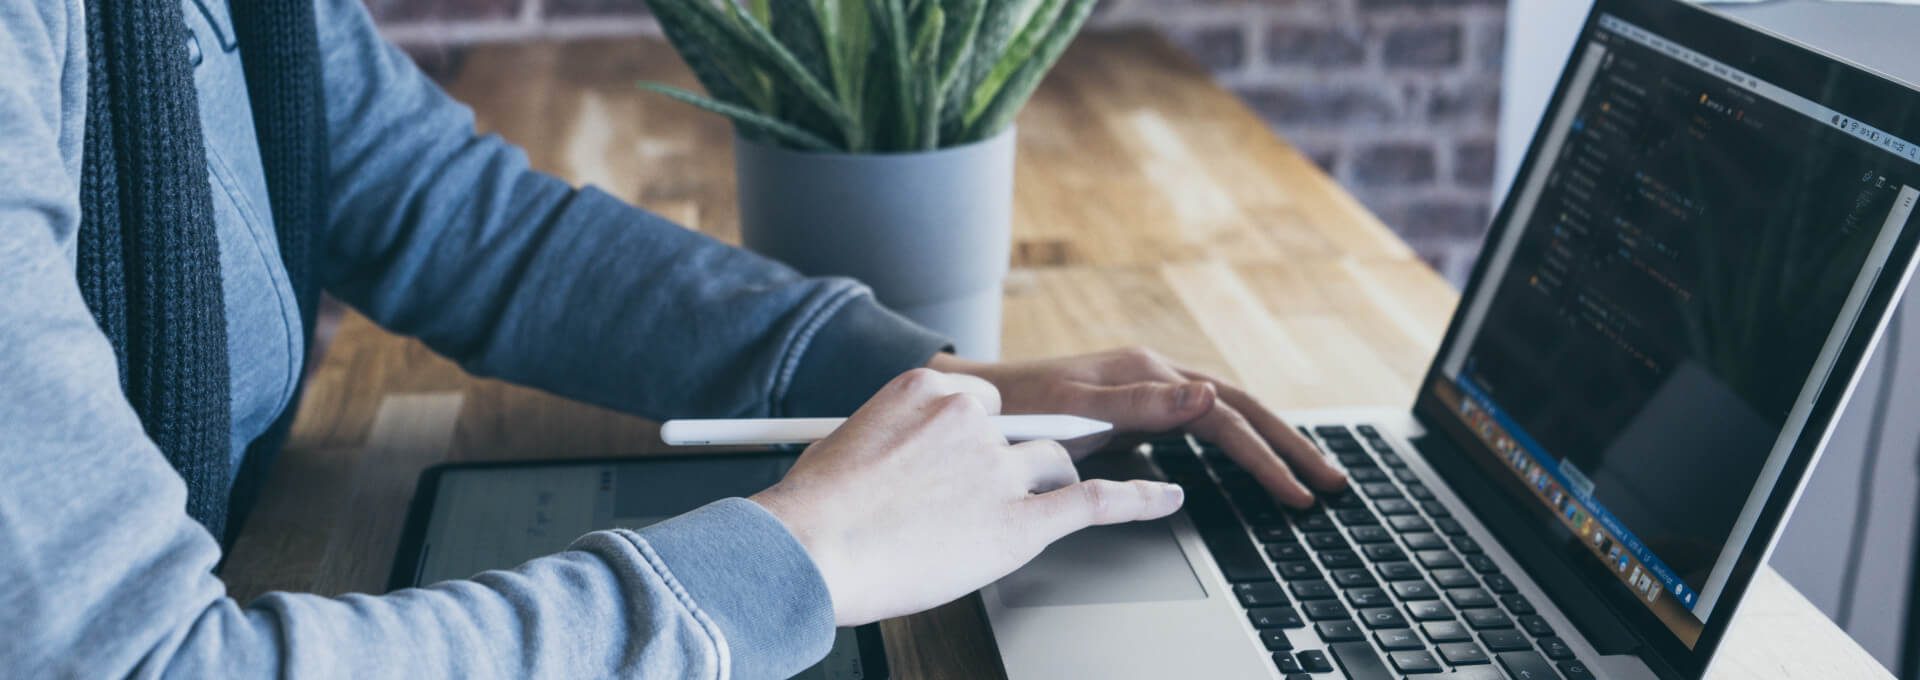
1384	574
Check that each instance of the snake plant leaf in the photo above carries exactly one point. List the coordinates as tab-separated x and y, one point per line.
747	117
712	56
1000	23
1021	86
775	58
798	27
957	42
761	9
1038	28
890	16
926	65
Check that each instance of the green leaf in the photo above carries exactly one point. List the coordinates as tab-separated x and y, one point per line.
1018	54
754	37
747	117
711	55
1018	88
798	28
957	43
891	17
926	65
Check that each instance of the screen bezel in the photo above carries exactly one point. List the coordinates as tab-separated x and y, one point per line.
1860	93
406	561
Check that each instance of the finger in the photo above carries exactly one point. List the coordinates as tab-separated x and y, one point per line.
1307	460
1098	502
1048	465
922	386
1229	430
1143	406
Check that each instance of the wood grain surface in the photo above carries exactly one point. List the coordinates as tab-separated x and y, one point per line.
1153	208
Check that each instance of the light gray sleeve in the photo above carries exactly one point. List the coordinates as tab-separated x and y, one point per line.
102	573
448	235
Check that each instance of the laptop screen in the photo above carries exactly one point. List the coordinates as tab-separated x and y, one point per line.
1680	266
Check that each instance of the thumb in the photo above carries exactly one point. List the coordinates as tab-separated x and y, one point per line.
1098	502
1147	406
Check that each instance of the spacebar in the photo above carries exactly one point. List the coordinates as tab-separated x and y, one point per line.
1224	538
1359	661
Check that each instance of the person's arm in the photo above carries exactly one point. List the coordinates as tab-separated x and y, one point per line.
448	235
103	574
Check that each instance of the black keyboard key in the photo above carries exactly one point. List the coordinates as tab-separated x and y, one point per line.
1265	517
1392	459
1487	619
1483	564
1469	598
1416	590
1287	552
1266	594
1339	631
1399	639
1414	662
1324	610
1355	517
1436	559
1367	431
1382	617
1464	654
1286	663
1425	540
1332	431
1358	660
1299	571
1450	526
1385	552
1369	476
1275	640
1369	534
1347	499
1445	631
1419	491
1362	598
1327	540
1466	545
1399	571
1429	610
1436	509
1315	661
1339	446
1339	559
1574	670
1454	578
1407	524
1504	640
1381	491
1536	625
1312	590
1501	585
1413	591
1395	506
1353	578
1406	475
1271	534
1527	665
1314	520
1355	460
1515	603
1555	649
1274	617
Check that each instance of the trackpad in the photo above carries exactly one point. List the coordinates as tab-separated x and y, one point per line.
1136	562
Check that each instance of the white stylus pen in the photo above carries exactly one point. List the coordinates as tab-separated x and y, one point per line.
770	431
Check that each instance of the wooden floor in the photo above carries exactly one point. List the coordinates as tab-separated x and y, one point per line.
1152	208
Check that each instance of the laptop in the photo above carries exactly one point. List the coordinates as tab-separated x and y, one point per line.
1701	247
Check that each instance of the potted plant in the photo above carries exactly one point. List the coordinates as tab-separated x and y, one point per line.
874	138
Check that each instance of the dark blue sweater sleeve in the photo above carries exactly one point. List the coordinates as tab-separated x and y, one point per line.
448	235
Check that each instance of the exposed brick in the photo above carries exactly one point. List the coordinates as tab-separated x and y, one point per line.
1395	163
1218	48
1473	164
571	8
1475	102
1314	46
1422	46
441	10
1320	104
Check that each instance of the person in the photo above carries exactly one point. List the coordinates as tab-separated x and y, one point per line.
180	178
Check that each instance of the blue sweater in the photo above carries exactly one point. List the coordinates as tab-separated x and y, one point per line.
438	233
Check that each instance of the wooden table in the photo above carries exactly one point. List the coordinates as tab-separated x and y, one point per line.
1153	208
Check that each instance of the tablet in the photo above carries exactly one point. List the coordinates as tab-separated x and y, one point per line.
470	517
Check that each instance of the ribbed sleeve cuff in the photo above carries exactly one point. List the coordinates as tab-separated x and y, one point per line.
852	355
751	577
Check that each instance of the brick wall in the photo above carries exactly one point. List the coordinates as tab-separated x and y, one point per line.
1398	99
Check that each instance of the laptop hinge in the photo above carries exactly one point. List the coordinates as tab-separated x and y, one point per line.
1511	526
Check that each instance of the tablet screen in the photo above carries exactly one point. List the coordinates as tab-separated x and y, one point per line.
498	517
